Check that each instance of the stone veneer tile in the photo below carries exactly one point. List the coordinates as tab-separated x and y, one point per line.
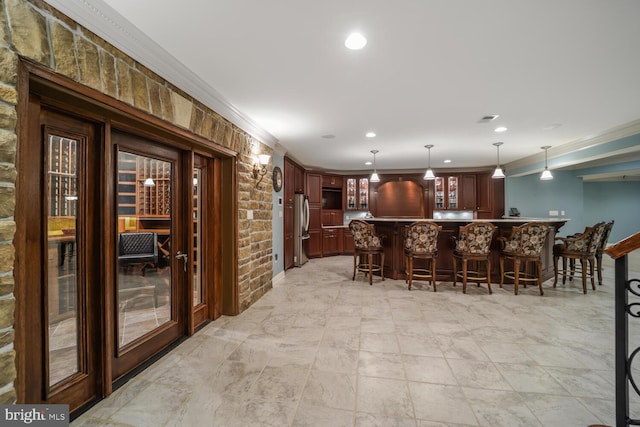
8	143
140	90
108	73
8	116
182	109
28	31
167	106
7	203
64	58
8	94
154	98
89	63
125	90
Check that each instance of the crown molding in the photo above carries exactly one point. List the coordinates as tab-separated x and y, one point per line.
610	135
100	18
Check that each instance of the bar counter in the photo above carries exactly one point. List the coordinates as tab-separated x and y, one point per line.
392	230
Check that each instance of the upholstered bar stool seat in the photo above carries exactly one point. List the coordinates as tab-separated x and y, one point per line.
525	245
368	256
473	245
421	242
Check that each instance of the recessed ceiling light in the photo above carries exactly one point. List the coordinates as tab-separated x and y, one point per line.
328	136
500	129
447	161
488	118
355	41
367	163
370	135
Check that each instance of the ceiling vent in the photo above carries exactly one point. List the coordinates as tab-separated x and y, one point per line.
489	118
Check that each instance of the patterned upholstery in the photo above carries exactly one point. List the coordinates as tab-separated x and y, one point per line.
473	244
601	248
364	235
582	247
527	239
421	242
367	244
422	237
475	238
525	243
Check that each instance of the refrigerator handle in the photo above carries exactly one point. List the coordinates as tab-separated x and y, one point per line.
306	215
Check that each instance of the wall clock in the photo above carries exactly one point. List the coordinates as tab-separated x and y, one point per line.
277	179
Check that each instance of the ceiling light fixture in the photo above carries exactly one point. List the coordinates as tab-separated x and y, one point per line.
149	182
498	172
374	175
500	129
546	173
355	41
370	135
428	175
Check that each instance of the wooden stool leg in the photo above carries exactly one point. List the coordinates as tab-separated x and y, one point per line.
489	276
583	262
591	273
370	258
455	270
516	274
410	268
501	270
539	268
354	266
464	275
382	265
433	273
555	270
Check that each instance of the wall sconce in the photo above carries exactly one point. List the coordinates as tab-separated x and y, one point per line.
546	173
260	167
428	174
498	172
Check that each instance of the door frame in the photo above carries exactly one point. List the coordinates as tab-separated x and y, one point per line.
62	93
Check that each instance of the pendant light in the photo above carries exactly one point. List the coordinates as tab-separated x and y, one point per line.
498	172
546	173
374	175
428	175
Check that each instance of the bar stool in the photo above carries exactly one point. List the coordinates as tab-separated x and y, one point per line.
473	244
421	242
368	244
525	243
581	247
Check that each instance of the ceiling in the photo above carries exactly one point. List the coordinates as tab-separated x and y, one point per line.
556	72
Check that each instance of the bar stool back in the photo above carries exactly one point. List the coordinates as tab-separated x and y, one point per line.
473	244
525	243
367	244
421	242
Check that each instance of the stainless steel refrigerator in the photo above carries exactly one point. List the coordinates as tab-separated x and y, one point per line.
301	228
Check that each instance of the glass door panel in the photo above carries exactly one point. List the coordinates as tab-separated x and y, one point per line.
198	297
63	299
144	245
453	192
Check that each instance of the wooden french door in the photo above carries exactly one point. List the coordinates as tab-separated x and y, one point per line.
61	264
153	255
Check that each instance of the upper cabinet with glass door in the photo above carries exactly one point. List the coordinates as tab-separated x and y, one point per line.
357	194
446	192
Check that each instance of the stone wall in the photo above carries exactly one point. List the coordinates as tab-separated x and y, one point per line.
34	30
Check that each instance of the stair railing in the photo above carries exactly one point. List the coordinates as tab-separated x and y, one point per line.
623	312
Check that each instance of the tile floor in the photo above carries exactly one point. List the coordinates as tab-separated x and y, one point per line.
322	350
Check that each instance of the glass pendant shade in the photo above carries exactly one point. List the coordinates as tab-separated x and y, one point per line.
149	182
546	173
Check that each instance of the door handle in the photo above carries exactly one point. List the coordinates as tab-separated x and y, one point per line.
184	258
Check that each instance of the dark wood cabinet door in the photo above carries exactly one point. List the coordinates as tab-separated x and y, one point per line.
299	180
314	188
483	193
468	192
314	244
330	242
289	181
348	245
288	251
332	181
